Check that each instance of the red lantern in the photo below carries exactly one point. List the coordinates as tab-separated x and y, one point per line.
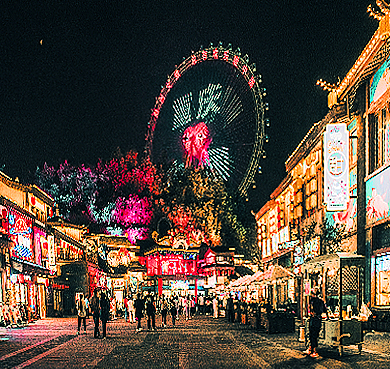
32	200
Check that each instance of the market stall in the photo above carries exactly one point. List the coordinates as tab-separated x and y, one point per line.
340	278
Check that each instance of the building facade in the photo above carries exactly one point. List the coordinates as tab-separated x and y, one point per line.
353	140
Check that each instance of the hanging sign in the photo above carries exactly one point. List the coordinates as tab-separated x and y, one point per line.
336	162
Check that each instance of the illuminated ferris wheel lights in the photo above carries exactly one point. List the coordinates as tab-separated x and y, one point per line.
267	123
266	138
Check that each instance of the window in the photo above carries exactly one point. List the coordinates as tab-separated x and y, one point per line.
379	139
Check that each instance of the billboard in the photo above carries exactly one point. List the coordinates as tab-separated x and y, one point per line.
378	197
336	167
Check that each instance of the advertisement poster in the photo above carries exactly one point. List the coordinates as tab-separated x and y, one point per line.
378	197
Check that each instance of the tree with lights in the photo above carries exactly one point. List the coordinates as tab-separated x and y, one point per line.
114	197
196	199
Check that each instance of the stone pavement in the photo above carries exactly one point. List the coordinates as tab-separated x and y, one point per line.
202	342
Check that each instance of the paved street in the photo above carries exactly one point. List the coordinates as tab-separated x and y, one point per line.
202	342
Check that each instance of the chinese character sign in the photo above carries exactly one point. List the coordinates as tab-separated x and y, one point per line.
336	167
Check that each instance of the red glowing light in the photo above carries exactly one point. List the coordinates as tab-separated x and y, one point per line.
244	69
251	82
204	55
193	59
156	112
177	74
236	59
196	140
226	55
162	98
215	53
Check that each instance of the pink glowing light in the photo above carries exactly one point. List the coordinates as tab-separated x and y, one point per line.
196	141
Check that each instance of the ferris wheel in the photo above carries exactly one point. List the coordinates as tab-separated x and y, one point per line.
210	113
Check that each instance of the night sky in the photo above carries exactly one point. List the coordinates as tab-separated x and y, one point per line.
91	83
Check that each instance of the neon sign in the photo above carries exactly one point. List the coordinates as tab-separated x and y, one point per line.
20	230
336	171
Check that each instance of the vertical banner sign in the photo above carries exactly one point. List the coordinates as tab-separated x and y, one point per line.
51	253
336	163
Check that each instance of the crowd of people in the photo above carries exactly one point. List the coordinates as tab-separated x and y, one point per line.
139	307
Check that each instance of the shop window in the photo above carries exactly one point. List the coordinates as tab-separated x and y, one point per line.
379	139
381	236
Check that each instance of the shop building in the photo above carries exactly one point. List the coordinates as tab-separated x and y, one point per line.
25	273
117	266
171	271
339	175
216	266
71	277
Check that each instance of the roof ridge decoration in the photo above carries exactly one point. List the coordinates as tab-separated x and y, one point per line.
384	9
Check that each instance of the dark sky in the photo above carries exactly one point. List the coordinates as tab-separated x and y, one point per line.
91	85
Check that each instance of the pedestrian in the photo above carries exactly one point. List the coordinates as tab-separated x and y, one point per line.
230	309
317	308
130	304
173	311
215	307
104	312
201	304
193	306
87	305
187	307
95	311
151	312
125	307
113	308
164	312
139	306
81	313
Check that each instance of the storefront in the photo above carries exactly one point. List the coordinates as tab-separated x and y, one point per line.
172	270
382	279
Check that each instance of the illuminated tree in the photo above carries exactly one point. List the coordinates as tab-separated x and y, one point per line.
196	199
114	197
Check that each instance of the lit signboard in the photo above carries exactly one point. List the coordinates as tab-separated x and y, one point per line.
380	82
20	231
336	171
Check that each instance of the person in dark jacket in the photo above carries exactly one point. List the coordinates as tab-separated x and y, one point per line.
95	311
317	308
230	309
151	312
139	306
173	310
104	312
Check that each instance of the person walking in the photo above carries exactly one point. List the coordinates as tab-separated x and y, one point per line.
201	304
187	307
215	307
173	311
104	313
230	309
317	308
151	312
95	311
139	306
125	307
164	312
130	304
81	313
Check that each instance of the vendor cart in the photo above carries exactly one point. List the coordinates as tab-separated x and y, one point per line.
340	278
